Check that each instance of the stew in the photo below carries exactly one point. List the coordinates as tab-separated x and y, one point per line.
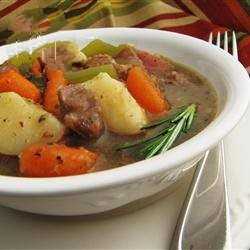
66	111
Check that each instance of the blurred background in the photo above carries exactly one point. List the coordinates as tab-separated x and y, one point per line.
22	19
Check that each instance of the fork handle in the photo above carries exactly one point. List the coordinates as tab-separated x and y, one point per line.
204	219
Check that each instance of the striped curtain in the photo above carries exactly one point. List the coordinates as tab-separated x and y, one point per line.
22	19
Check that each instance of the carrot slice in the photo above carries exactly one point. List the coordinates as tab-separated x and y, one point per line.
36	68
44	160
13	81
56	81
145	92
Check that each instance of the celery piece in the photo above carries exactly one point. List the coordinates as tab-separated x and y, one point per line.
24	67
22	58
97	46
87	74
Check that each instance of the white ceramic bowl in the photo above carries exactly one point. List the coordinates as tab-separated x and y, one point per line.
106	190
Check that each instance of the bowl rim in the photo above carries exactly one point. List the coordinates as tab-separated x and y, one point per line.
234	109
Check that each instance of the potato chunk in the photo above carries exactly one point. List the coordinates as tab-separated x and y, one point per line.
23	123
120	110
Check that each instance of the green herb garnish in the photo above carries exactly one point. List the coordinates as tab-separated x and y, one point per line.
163	140
39	81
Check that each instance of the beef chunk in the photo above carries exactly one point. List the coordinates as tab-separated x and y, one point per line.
129	56
99	59
161	70
102	59
58	59
81	111
154	63
77	66
122	70
7	65
94	61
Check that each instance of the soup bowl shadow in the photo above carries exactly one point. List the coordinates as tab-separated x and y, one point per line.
111	189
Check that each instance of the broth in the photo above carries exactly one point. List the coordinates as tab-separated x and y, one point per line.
197	89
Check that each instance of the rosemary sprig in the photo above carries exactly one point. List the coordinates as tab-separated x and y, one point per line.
163	140
166	120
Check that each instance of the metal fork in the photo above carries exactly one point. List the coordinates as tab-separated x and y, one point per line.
204	220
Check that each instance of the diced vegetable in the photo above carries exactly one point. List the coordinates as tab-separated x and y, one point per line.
87	74
98	46
36	68
22	58
12	81
145	92
23	123
43	160
56	80
78	54
121	112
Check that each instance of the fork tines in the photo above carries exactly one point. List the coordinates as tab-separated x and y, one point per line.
225	44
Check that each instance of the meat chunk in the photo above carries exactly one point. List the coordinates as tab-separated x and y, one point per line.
56	59
77	66
81	111
7	65
154	63
161	70
122	70
129	56
99	59
61	56
102	59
